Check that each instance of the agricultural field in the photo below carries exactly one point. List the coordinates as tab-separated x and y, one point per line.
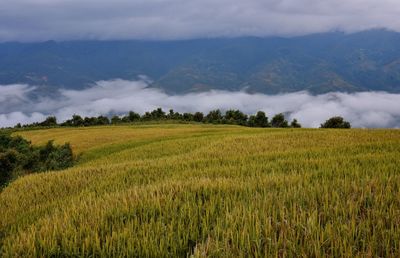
209	191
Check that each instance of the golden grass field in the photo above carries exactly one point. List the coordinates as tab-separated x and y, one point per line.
209	191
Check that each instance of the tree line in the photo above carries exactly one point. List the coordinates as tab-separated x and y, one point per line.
234	117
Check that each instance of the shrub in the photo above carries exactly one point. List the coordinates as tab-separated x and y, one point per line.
187	117
261	120
279	121
19	157
214	116
198	117
336	122
116	120
132	117
235	117
157	114
50	121
295	124
8	162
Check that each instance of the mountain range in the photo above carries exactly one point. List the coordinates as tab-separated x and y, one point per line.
318	63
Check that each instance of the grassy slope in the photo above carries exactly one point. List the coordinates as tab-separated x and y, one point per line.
167	190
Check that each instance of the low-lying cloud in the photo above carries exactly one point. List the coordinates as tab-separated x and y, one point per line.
22	104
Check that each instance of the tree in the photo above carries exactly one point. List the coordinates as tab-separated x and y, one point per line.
103	120
157	114
146	116
261	120
49	121
336	122
187	116
77	120
279	121
90	121
235	117
198	117
251	121
133	116
214	116
8	162
295	124
174	115
116	120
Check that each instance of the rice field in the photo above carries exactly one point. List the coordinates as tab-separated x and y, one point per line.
209	191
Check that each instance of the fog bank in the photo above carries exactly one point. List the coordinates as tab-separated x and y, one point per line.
23	104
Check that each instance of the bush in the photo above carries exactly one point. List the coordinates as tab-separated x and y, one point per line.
8	162
261	120
60	158
50	121
198	117
336	122
279	121
131	117
187	117
116	120
214	116
19	157
235	117
295	124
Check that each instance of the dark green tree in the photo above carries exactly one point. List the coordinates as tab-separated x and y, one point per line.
279	121
116	120
187	116
77	120
146	116
49	121
157	114
235	117
261	120
8	162
198	117
214	116
103	120
133	116
336	122
171	114
295	124
90	121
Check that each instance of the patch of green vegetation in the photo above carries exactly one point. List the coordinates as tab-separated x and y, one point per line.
18	157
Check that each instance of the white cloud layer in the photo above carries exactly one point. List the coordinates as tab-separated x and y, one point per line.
178	19
364	109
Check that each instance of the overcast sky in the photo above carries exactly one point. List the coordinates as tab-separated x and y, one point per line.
38	20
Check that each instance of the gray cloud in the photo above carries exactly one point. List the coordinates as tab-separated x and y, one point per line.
177	19
364	109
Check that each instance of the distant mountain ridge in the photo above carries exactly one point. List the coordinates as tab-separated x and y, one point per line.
318	63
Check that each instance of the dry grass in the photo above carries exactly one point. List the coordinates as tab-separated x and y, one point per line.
210	191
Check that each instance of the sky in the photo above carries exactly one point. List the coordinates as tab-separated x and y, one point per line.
39	20
23	104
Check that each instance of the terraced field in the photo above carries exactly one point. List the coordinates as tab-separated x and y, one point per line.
209	191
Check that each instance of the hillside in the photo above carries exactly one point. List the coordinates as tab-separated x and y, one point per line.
319	63
220	191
